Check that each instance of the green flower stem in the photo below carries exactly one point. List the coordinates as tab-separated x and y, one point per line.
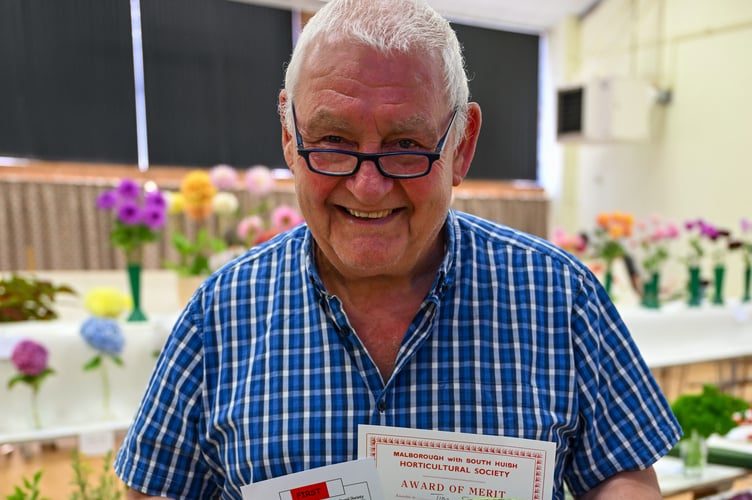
105	388
609	277
35	406
747	283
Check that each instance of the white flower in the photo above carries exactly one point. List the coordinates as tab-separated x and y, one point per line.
225	203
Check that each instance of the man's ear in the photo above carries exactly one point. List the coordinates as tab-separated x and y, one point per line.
465	150
288	141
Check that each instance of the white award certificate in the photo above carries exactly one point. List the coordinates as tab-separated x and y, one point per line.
355	480
435	465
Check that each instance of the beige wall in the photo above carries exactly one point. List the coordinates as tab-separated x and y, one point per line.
696	162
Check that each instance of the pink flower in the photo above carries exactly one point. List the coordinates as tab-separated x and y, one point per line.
251	225
29	357
573	243
259	180
223	176
285	217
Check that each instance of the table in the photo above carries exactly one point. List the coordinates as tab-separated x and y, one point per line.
676	337
714	478
70	401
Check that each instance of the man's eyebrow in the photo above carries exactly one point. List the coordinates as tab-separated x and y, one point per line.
331	121
327	120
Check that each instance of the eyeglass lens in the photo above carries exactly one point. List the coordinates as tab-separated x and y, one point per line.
341	162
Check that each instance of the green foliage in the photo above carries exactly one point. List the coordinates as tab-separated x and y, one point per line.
24	299
710	412
97	361
653	261
33	380
29	489
194	255
93	363
107	488
131	236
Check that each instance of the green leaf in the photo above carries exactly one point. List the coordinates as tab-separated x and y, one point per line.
93	363
16	379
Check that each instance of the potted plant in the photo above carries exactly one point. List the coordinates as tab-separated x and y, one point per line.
701	415
26	299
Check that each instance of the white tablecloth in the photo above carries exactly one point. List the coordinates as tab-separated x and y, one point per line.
71	400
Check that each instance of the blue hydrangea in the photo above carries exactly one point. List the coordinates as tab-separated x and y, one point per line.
104	335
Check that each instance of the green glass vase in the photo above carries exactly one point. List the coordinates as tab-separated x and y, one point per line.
134	279
719	273
650	292
694	287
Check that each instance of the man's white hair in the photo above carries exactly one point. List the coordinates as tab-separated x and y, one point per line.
405	26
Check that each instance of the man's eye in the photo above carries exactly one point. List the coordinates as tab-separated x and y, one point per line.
333	139
406	144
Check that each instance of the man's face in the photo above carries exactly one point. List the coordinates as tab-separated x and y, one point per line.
350	97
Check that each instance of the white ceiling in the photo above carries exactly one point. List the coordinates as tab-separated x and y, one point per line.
529	16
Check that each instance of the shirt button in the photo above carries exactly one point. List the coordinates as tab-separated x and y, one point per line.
381	406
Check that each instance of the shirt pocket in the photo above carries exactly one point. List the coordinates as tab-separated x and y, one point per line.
513	410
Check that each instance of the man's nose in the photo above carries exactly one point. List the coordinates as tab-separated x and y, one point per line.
369	180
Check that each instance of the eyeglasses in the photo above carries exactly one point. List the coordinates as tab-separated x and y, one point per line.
394	164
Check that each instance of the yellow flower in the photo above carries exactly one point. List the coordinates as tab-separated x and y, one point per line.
107	302
175	203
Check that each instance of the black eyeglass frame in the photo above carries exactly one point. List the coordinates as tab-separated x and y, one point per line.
432	156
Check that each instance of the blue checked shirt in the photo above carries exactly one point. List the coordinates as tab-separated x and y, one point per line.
263	376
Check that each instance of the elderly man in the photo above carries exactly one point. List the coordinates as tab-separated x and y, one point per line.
387	307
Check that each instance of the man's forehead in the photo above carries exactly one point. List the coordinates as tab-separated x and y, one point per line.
337	119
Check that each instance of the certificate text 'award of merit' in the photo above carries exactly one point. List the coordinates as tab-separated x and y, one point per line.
435	465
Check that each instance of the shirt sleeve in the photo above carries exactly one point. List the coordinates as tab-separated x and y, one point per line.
627	424
161	451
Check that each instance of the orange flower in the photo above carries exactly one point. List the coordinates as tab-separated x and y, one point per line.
616	224
198	191
603	220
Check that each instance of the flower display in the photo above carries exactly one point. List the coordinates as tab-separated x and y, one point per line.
706	239
199	199
139	215
224	229
31	358
106	337
745	241
653	238
197	191
608	239
253	230
575	243
647	245
612	230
